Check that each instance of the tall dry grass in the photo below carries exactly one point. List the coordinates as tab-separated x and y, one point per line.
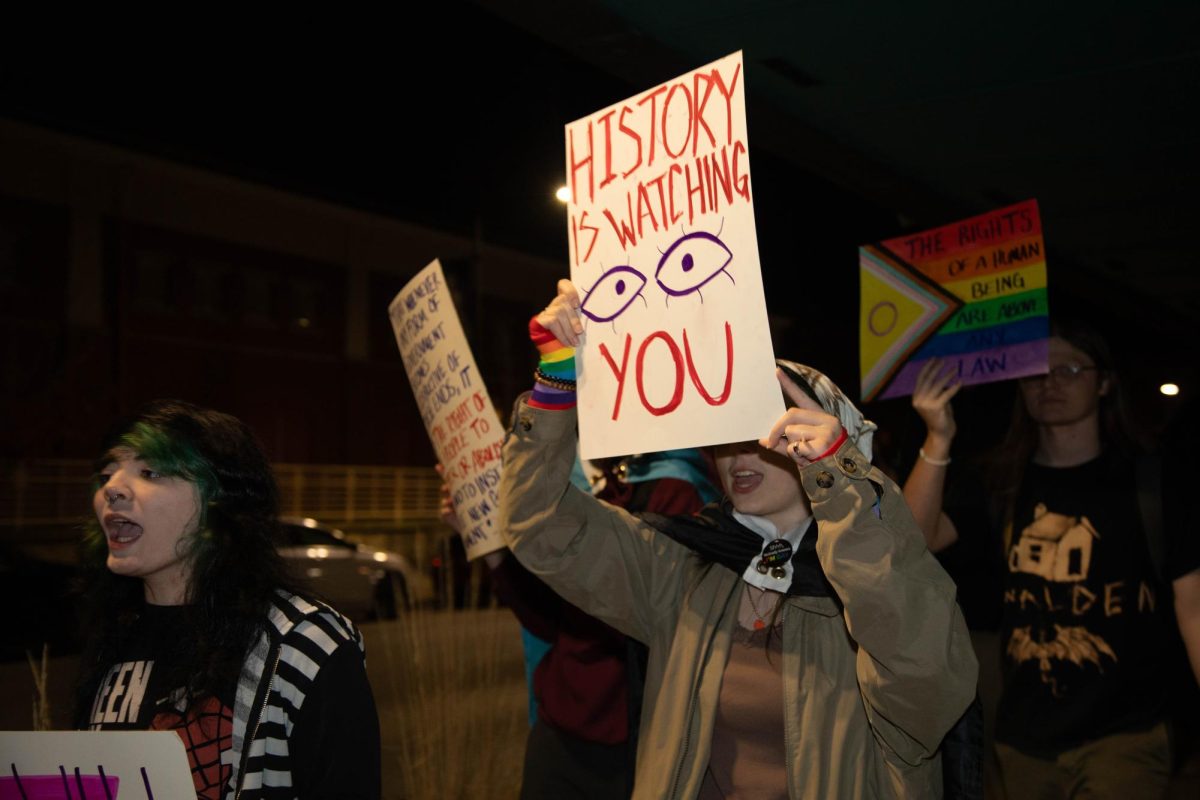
41	698
454	707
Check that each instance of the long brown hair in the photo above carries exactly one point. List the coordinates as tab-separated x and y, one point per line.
1004	466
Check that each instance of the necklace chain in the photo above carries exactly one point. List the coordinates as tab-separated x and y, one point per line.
760	619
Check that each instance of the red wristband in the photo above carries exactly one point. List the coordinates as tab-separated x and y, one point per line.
840	441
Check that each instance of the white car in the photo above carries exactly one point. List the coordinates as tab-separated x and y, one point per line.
357	580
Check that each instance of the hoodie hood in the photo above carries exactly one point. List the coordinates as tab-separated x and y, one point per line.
817	385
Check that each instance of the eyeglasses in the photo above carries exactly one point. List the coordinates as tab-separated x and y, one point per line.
1064	373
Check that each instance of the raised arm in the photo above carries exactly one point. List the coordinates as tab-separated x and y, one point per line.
915	664
596	556
925	488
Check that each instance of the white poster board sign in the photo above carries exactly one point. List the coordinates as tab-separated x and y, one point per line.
454	403
676	349
123	765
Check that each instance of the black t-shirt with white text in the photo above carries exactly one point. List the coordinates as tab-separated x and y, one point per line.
138	693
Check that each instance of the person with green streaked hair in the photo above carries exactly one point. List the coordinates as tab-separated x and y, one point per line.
193	624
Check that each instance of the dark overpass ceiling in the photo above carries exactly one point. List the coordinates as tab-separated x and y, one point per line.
866	120
940	110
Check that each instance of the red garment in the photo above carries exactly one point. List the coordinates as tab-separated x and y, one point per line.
581	685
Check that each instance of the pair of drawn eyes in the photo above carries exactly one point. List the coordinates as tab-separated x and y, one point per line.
692	261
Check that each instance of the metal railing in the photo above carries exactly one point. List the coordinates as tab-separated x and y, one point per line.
358	496
57	492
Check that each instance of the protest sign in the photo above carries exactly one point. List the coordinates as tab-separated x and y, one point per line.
972	293
122	765
453	401
676	350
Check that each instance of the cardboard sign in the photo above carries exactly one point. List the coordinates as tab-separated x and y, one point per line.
66	765
972	293
676	349
454	404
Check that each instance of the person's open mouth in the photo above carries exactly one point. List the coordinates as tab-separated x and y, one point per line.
746	480
121	531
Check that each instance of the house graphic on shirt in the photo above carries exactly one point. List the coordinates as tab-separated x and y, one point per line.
1054	546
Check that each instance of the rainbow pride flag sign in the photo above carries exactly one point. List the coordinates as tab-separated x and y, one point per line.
972	293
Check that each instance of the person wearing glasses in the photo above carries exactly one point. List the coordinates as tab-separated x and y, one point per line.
1069	512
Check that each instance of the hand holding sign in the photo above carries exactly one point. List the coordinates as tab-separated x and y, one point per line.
561	317
446	512
806	431
935	388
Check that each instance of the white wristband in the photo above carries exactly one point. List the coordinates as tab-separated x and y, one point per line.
937	462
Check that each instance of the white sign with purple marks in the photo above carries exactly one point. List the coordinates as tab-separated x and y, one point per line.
676	349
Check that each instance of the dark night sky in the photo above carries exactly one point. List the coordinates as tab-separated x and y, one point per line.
455	123
458	129
433	129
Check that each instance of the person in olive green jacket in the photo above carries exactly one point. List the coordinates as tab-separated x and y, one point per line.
803	642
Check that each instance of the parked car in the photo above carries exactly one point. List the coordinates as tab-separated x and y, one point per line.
360	581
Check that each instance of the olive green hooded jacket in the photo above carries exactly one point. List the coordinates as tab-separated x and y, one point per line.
869	689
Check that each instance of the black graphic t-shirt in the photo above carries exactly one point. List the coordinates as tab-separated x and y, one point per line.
136	693
1084	637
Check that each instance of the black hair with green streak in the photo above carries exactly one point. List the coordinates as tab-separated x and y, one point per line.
234	564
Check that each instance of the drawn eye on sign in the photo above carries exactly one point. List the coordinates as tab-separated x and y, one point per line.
692	261
612	293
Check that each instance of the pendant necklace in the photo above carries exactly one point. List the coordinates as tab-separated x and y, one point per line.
760	620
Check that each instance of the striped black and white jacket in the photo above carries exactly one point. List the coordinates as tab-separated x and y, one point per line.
277	676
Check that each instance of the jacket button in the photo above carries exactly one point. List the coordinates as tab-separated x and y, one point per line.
526	424
849	465
824	479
